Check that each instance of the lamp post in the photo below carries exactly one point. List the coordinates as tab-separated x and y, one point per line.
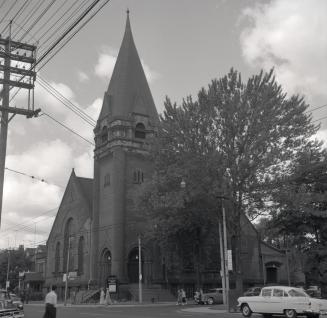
67	268
140	268
8	266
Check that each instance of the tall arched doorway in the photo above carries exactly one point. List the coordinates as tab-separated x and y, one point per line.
133	265
105	266
272	272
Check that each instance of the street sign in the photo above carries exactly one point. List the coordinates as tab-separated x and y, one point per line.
7	284
64	277
230	260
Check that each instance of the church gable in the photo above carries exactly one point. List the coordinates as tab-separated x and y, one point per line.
76	203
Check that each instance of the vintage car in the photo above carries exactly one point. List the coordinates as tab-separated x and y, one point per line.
11	298
9	310
253	291
213	296
288	301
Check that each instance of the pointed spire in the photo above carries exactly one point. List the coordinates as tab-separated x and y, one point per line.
128	91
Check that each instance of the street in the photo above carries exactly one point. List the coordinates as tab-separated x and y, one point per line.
150	311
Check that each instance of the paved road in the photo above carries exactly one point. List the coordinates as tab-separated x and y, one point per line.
117	311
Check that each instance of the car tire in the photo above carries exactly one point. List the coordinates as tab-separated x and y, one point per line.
210	301
246	311
290	313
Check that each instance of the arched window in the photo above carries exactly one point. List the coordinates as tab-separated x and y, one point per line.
140	131
104	134
81	255
57	258
68	247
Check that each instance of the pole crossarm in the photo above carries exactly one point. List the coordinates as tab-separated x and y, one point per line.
17	84
21	111
18	70
17	57
18	45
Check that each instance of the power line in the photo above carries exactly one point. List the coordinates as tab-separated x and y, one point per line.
72	131
66	102
32	177
6	14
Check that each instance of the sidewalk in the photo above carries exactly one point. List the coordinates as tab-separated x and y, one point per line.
118	304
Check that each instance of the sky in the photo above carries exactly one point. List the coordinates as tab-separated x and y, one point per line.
183	45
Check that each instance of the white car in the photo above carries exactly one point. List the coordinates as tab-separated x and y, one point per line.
289	301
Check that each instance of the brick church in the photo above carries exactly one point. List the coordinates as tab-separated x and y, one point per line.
95	233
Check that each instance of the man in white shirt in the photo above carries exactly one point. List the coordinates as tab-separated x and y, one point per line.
51	303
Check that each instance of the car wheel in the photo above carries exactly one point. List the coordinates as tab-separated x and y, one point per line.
210	301
246	311
290	313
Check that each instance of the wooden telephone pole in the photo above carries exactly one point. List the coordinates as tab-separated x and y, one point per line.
24	53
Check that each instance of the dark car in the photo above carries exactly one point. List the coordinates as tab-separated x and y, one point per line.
213	296
253	291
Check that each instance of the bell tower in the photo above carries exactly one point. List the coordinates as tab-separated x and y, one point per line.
127	121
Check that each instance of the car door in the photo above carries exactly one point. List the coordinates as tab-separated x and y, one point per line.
263	302
297	300
276	303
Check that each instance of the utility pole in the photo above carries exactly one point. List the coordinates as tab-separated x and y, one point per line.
140	269
8	266
9	80
226	257
222	262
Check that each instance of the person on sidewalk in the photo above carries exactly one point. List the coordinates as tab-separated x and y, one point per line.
184	302
51	303
108	298
179	296
102	296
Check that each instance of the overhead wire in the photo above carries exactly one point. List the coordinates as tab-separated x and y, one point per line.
66	102
60	26
6	14
53	15
20	10
32	177
71	130
29	15
46	9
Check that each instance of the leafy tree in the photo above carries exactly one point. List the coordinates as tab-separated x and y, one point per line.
18	262
301	211
237	139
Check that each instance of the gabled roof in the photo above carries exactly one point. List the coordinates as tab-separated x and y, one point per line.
87	188
128	90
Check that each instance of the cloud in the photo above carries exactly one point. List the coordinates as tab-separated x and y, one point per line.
106	63
290	36
82	77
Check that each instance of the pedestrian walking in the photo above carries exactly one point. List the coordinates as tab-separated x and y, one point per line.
102	296
108	298
51	303
179	296
184	302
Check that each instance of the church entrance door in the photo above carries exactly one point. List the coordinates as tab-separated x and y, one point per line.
105	267
133	265
271	275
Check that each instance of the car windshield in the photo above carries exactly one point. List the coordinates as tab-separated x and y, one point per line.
297	293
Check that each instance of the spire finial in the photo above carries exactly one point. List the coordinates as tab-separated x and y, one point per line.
127	11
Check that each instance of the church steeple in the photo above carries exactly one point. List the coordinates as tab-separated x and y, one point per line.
128	91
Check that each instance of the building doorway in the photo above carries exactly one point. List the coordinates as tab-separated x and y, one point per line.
133	265
105	267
